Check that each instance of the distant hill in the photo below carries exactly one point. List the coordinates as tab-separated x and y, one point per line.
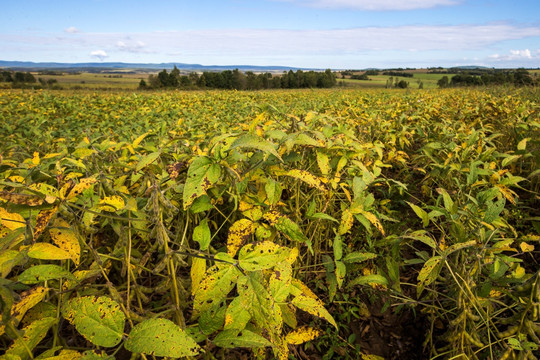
100	66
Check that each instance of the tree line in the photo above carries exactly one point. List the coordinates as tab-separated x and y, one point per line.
238	80
519	77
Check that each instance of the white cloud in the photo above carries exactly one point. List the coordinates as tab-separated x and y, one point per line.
374	5
516	55
72	30
100	54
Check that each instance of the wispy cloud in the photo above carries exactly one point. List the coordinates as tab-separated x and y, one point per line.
374	5
131	46
220	44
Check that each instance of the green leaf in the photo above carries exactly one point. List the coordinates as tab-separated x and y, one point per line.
99	319
494	209
262	306
31	337
91	355
341	271
39	273
421	213
357	256
255	142
249	339
202	235
237	315
323	216
273	191
338	247
509	159
369	279
212	319
280	281
147	160
202	174
161	337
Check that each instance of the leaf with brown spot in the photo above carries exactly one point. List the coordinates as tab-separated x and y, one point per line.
202	174
239	233
308	178
68	191
99	319
64	237
219	281
21	199
302	334
161	337
43	219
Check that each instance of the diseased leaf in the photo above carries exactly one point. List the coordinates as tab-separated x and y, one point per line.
198	271
29	299
324	162
262	307
308	178
280	281
202	174
239	233
92	355
70	191
346	223
429	272
111	203
9	259
32	335
64	237
313	306
302	334
237	315
21	199
218	282
248	339
42	220
261	256
99	319
161	337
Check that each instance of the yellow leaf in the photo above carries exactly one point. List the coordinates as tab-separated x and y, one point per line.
239	233
373	220
64	237
308	178
35	158
10	220
526	247
347	221
112	203
46	251
302	335
68	191
198	270
29	299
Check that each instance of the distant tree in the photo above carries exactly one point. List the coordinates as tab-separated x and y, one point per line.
143	85
21	77
402	84
443	82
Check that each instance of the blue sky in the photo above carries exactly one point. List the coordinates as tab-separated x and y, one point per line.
338	34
